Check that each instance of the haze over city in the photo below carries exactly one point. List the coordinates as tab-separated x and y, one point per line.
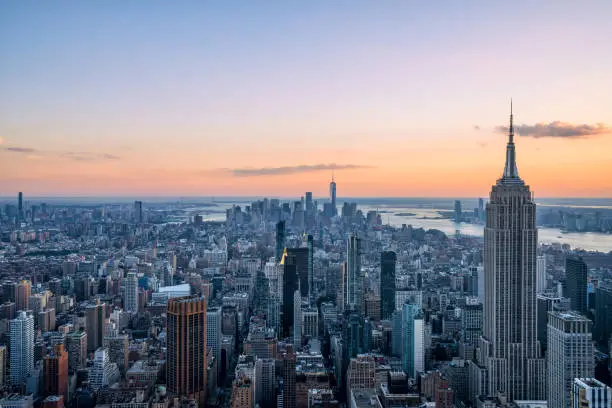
271	98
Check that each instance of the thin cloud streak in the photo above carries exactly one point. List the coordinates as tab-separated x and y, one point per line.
286	170
559	129
76	156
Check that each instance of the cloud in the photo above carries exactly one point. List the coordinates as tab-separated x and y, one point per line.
88	156
1	140
285	170
476	127
559	129
76	156
16	149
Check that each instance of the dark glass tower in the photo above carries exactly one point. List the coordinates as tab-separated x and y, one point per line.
576	281
302	262
387	284
512	353
280	239
311	291
290	285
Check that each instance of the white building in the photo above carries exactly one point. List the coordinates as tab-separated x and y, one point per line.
22	347
310	323
131	293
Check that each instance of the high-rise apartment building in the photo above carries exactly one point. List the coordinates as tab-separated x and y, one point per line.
332	196
354	277
22	348
569	355
590	393
20	210
131	293
186	343
515	366
104	371
388	260
576	283
55	368
138	216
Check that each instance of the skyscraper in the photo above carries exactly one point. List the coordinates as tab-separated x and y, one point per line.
20	214
458	211
332	196
570	355
302	263
22	347
413	340
280	240
265	394
541	274
387	283
289	374
76	345
290	285
138	212
131	293
186	343
311	291
576	281
213	330
354	278
514	362
95	316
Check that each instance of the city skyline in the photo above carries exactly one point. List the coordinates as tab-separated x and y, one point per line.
212	100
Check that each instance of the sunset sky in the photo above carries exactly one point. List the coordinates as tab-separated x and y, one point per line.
396	98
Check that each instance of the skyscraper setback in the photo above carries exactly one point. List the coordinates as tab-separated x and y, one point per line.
512	355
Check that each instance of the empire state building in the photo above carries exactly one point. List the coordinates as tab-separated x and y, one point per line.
509	347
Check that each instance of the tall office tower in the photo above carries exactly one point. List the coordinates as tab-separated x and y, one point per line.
413	340
458	211
3	357
95	316
55	368
353	336
23	291
541	274
20	214
289	374
545	304
297	319
22	348
311	290
590	393
213	330
76	345
280	240
290	285
265	382
570	355
301	256
603	314
576	280
387	283
481	211
341	295
354	278
104	371
332	196
471	316
186	343
510	240
131	293
138	212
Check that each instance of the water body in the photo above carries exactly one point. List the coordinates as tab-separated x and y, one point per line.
430	218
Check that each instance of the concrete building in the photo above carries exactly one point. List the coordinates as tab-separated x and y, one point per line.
104	372
55	368
76	345
131	293
590	393
570	354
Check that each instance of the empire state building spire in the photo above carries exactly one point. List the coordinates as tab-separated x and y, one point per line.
510	171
